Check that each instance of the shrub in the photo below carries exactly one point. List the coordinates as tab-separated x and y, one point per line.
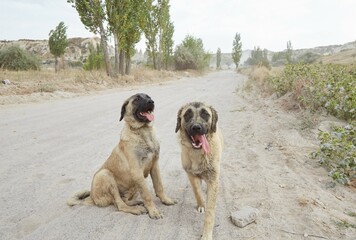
95	60
330	87
16	58
190	54
338	152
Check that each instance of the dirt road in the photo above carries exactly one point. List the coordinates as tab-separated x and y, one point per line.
51	150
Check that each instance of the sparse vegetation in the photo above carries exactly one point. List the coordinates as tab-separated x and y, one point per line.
75	81
317	87
308	58
345	224
18	59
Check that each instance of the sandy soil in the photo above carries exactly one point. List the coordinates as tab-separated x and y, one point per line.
50	150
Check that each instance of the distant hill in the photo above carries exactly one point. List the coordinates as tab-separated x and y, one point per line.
342	54
327	50
77	50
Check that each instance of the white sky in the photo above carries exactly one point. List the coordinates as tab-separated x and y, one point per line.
265	23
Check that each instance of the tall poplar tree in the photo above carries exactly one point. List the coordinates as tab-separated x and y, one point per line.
151	29
58	42
166	30
289	52
236	49
218	59
124	18
93	16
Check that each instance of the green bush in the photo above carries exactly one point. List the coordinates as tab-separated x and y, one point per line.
95	60
190	54
258	58
338	152
331	87
16	58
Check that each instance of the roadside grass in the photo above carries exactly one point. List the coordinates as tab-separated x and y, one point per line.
77	80
318	88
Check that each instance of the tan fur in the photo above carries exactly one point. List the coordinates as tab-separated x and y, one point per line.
199	165
123	174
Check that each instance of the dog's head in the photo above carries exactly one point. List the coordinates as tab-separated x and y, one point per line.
196	120
138	110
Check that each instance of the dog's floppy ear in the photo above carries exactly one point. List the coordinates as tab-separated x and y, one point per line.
214	119
123	109
179	119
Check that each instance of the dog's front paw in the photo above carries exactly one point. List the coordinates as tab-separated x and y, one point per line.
201	209
155	214
206	237
169	201
140	210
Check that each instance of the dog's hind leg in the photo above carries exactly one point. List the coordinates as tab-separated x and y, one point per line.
196	185
105	192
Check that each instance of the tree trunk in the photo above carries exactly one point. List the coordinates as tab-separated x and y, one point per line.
105	49
154	60
128	65
55	64
63	67
122	63
117	69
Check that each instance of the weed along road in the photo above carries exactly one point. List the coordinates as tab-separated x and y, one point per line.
50	150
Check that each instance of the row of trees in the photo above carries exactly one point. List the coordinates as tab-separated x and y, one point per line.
126	21
259	57
236	52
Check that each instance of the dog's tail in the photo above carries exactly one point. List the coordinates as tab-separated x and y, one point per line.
82	197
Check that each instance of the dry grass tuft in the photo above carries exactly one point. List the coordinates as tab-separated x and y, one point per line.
258	77
75	80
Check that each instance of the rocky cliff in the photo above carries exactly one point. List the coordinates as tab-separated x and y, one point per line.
77	50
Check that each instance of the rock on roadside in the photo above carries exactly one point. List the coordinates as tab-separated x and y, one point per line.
244	216
6	81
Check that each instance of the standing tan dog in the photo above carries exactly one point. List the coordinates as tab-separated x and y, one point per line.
123	174
202	142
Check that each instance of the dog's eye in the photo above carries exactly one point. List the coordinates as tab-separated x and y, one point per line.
138	98
205	115
188	115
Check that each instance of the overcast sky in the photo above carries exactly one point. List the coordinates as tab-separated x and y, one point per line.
265	23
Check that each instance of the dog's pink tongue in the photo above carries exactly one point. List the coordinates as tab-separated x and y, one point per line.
149	116
205	144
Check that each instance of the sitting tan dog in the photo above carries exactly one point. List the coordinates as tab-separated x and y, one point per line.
201	143
135	157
